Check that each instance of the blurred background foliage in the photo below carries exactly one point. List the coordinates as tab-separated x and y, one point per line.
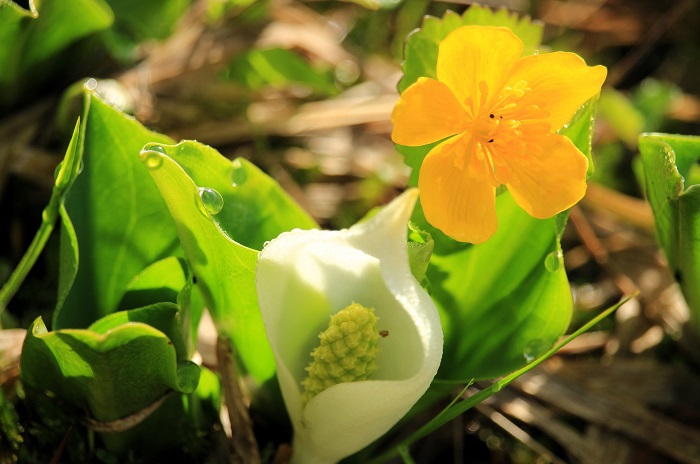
304	90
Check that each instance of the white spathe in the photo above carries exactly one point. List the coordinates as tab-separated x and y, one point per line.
304	277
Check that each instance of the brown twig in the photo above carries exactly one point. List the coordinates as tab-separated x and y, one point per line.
633	210
598	250
62	446
516	432
637	54
126	423
244	447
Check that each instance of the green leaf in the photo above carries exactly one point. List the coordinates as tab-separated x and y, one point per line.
280	68
147	20
225	269
164	291
112	374
159	282
621	115
503	301
137	21
653	99
377	4
13	21
420	249
67	173
420	53
30	38
60	23
580	130
120	220
671	177
255	208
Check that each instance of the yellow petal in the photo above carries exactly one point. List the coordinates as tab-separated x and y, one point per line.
551	182
475	61
561	82
425	113
457	203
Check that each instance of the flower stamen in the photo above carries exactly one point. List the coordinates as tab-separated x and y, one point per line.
347	351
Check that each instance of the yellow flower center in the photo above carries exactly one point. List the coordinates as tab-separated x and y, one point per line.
502	129
347	351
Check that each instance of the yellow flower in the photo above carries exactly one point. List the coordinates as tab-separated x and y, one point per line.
498	114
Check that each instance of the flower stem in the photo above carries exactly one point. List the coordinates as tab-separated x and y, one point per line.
48	222
455	408
67	172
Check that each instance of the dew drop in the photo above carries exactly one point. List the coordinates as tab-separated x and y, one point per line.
266	243
536	52
91	84
239	174
554	261
533	350
155	147
152	160
211	199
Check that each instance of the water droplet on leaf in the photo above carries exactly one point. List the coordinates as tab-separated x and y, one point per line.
211	199
155	147
238	174
152	159
554	260
533	350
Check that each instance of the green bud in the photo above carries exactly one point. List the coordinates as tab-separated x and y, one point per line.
347	352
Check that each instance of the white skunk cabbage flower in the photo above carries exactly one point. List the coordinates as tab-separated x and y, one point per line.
381	338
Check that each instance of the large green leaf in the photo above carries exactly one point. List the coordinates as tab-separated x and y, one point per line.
626	121
157	291
136	21
168	280
123	364
421	50
225	270
280	68
147	20
13	20
29	39
113	374
116	216
503	302
60	23
161	281
671	178
255	208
